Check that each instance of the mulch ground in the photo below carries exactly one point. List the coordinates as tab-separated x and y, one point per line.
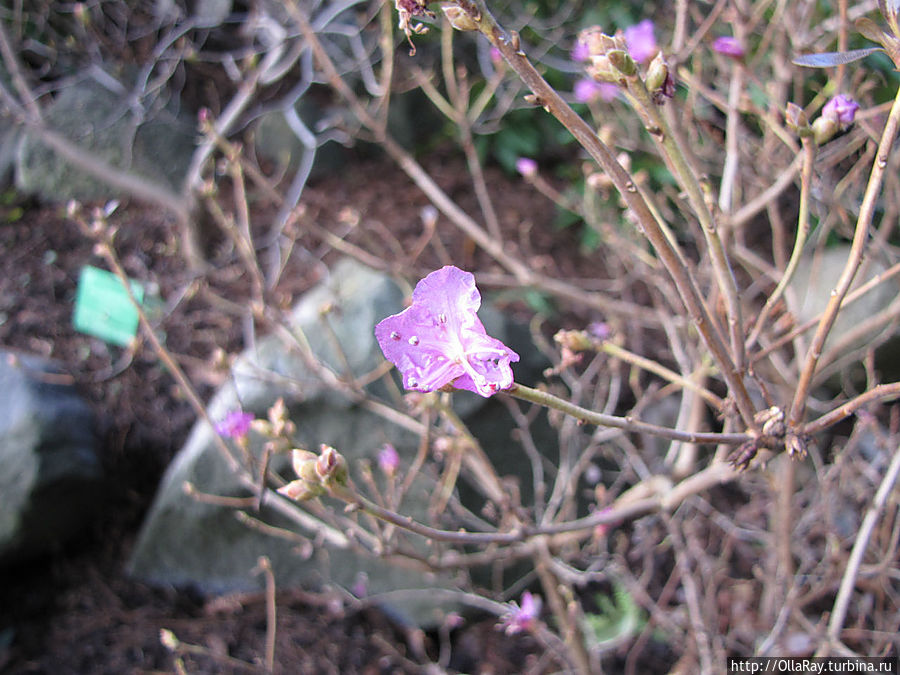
76	611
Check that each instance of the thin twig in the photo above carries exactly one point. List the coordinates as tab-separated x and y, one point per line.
264	566
549	400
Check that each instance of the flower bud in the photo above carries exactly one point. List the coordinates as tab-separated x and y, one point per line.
304	464
308	484
575	340
603	43
300	490
389	460
824	129
602	70
527	167
842	109
797	120
728	46
458	17
659	80
331	467
796	446
621	61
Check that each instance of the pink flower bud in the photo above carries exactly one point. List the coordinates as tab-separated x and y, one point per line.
526	166
388	460
728	46
842	109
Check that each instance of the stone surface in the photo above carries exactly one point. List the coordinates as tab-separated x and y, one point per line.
99	121
811	288
51	478
184	542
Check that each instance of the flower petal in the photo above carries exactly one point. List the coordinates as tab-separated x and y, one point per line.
439	339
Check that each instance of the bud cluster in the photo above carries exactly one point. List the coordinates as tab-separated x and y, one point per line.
837	115
316	474
614	59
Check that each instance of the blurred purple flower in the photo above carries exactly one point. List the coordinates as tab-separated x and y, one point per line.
439	339
360	586
641	41
587	90
842	109
728	46
599	330
526	166
580	51
388	460
522	618
235	425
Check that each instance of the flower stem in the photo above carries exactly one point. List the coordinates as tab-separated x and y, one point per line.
809	156
548	400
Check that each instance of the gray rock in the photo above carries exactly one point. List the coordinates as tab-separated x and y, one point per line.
816	278
184	542
813	283
51	478
276	141
158	148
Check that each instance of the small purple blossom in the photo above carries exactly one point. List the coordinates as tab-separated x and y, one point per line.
439	339
588	90
236	424
360	586
641	41
728	46
388	460
522	618
841	109
581	51
526	166
599	330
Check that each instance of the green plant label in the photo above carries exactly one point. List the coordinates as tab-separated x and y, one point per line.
103	309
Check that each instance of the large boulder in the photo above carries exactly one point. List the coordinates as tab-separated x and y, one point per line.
186	542
157	146
51	478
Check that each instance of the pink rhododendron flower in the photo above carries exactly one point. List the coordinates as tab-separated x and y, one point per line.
728	46
842	109
440	340
641	41
235	425
522	618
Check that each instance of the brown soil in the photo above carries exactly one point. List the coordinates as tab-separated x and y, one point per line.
76	611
